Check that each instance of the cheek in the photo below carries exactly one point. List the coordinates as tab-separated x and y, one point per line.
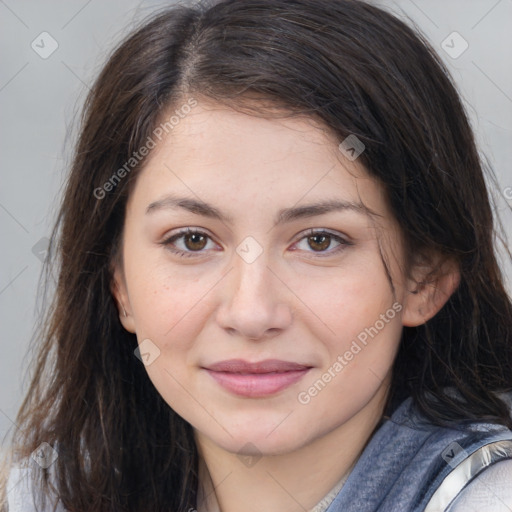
172	316
344	301
166	298
356	317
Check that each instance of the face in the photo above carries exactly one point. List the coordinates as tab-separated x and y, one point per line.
252	265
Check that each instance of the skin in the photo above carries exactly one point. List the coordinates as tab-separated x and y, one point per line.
298	301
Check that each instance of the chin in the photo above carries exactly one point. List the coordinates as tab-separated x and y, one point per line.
258	442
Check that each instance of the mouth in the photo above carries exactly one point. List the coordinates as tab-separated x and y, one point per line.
256	380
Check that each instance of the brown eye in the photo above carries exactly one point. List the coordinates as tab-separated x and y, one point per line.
319	242
189	243
195	241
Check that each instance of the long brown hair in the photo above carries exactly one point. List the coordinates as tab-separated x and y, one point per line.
360	71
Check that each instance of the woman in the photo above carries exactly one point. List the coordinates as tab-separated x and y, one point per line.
278	287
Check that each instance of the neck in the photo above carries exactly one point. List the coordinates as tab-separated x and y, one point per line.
294	481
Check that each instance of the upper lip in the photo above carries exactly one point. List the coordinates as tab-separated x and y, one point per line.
266	366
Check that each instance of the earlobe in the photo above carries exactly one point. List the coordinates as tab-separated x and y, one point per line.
427	297
120	294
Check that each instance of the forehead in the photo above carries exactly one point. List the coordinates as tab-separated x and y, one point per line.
233	159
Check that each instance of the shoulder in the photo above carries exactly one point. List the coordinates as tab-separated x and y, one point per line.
465	467
21	493
19	490
477	470
490	491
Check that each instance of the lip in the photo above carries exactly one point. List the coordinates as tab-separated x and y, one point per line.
256	380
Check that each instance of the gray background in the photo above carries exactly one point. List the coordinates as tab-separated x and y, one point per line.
39	99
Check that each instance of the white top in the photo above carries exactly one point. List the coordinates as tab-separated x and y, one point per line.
491	491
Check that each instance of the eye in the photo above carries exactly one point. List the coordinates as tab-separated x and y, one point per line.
192	242
319	241
187	242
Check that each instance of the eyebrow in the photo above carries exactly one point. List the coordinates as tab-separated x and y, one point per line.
285	215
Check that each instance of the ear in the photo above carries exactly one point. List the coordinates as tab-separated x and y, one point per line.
120	293
430	287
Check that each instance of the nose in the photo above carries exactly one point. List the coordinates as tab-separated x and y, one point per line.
254	302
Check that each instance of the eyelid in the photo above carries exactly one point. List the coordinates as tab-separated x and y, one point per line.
321	231
169	238
187	230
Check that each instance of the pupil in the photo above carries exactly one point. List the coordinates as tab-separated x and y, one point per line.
323	243
192	241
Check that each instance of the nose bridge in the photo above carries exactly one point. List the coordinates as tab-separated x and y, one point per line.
253	304
252	277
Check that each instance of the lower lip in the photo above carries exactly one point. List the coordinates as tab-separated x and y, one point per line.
257	385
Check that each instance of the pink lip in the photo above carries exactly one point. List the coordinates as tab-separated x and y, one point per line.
256	379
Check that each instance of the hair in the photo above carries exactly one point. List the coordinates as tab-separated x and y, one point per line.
357	69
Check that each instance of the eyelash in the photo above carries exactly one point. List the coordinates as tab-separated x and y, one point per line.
311	232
